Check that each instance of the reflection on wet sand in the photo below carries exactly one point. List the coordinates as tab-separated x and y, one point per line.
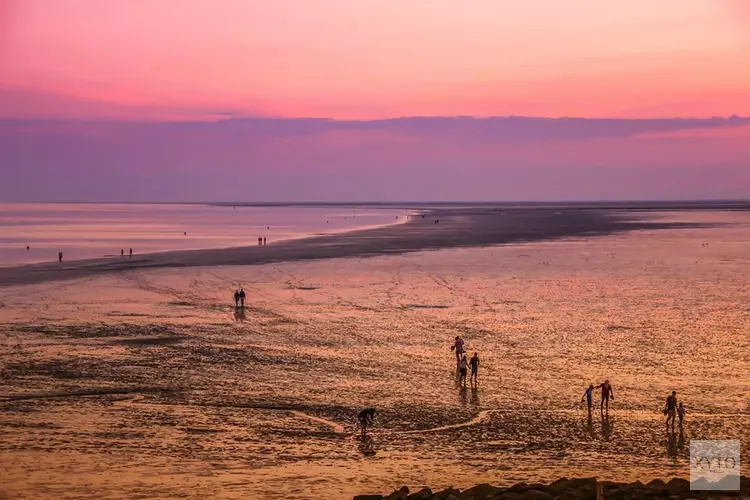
147	383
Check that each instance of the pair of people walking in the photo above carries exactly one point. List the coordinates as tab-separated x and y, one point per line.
607	393
239	298
463	364
674	410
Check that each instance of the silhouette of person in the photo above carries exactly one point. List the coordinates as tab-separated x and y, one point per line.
458	346
122	252
236	298
670	408
242	297
587	395
365	418
131	252
27	248
264	240
474	362
606	394
462	366
260	241
60	256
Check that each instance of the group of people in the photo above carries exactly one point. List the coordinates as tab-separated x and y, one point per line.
239	298
463	365
122	252
672	409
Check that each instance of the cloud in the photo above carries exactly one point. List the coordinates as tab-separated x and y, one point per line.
417	158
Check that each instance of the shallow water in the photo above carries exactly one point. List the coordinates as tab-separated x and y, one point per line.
163	389
92	230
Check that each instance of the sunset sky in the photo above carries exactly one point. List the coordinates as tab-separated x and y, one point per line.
132	63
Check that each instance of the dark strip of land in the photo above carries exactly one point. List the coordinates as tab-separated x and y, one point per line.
441	227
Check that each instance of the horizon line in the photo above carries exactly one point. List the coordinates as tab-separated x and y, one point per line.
209	119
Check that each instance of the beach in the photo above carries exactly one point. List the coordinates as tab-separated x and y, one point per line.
137	376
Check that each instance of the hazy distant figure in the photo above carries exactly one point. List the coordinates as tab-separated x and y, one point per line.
122	252
264	240
670	408
27	248
185	233
59	256
606	394
458	346
131	252
587	395
474	362
366	417
236	298
242	297
260	241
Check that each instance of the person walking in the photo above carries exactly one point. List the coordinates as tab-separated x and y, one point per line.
587	395
670	408
474	363
236	298
242	297
458	346
606	394
462	366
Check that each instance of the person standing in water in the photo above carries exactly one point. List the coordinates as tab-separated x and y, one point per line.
588	395
458	346
236	298
606	394
474	362
366	417
59	256
242	297
671	408
462	365
131	252
122	252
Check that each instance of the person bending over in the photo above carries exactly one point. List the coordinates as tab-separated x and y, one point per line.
366	417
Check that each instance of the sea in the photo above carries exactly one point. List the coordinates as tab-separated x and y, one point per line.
94	230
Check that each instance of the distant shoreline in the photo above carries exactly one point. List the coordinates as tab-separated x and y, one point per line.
464	226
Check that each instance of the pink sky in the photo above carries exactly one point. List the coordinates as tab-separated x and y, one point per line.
369	59
203	68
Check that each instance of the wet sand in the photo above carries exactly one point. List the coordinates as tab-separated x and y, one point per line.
147	382
441	227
